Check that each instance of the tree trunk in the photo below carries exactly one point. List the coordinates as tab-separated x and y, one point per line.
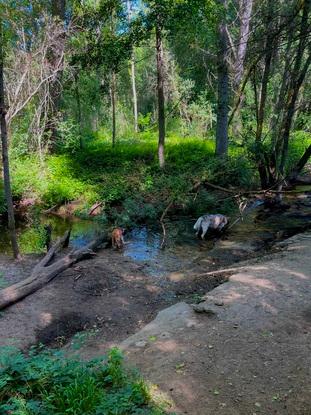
58	12
223	90
44	273
133	78
113	106
77	94
5	155
261	161
161	99
245	12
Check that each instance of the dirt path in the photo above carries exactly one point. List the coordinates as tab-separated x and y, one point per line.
253	356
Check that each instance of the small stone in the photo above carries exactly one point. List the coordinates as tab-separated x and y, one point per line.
165	335
198	308
219	303
141	343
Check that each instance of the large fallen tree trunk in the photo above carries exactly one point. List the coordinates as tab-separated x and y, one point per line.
45	271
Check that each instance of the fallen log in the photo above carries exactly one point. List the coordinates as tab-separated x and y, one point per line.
46	270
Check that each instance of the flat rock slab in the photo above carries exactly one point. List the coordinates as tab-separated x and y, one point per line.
251	355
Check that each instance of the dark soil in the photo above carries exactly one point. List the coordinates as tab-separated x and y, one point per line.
109	295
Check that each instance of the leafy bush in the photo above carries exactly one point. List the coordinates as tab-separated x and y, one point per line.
46	382
69	139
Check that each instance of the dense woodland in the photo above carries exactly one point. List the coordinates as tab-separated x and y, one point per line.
124	102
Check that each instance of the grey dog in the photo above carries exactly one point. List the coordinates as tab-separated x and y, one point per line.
216	222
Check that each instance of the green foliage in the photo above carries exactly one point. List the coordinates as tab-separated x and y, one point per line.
46	382
69	139
299	141
127	178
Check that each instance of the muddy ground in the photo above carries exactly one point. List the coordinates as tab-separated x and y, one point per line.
109	295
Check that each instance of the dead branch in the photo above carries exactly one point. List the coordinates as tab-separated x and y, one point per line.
94	207
163	225
45	271
248	192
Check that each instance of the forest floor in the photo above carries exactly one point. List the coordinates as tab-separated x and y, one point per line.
247	349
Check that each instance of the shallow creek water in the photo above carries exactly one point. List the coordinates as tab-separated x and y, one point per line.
259	229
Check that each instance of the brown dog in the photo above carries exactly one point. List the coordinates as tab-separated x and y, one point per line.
117	239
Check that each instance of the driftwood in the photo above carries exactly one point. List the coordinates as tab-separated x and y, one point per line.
45	270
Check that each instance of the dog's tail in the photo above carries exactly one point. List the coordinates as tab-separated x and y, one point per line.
197	225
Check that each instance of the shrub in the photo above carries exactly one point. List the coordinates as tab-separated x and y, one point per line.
46	382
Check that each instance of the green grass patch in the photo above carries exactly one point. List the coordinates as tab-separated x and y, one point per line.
46	382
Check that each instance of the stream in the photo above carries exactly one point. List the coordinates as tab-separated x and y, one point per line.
261	227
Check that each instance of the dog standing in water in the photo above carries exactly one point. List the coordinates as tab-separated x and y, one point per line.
215	222
117	239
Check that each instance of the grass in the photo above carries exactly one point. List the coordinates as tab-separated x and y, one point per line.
46	382
127	178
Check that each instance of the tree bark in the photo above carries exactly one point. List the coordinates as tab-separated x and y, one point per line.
113	106
261	162
161	99
44	271
77	94
58	8
245	12
5	155
223	90
133	78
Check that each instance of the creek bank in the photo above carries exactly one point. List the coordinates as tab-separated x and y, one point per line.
251	355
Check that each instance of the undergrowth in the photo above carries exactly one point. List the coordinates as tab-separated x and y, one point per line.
46	382
127	178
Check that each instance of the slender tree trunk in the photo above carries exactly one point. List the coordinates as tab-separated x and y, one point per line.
261	161
133	78
113	106
5	156
77	94
58	12
223	90
135	109
161	99
245	12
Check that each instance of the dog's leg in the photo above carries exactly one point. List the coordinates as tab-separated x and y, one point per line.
197	226
205	227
